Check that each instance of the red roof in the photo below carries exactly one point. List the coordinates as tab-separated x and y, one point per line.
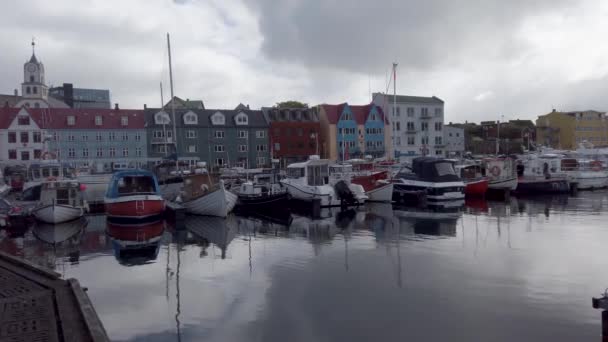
57	118
360	113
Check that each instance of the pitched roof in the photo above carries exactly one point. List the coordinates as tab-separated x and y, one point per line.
333	112
190	104
360	113
33	59
274	114
56	118
256	117
410	99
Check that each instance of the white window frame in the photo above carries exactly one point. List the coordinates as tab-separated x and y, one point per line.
192	149
112	152
220	164
125	152
71	120
191	134
138	152
218	134
243	148
260	134
243	134
99	152
98	120
85	152
219	148
124	121
261	161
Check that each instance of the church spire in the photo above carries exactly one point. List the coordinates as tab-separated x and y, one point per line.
33	59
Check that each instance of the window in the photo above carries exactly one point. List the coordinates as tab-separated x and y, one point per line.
12	154
71	120
124	121
438	111
24	137
161	149
55	136
138	136
242	148
424	111
125	152
457	134
410	112
438	126
261	134
98	120
23	120
438	152
32	78
125	136
112	152
398	111
25	155
190	118
398	142
261	161
411	141
138	151
71	153
411	126
219	161
27	91
85	137
438	140
190	134
192	148
277	146
85	152
242	119
261	148
71	137
424	140
218	119
12	138
112	136
218	134
158	134
35	91
98	136
37	154
347	116
424	126
398	125
242	134
99	152
218	148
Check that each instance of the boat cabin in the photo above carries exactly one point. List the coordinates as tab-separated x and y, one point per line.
472	171
62	193
132	183
431	169
196	186
40	172
314	172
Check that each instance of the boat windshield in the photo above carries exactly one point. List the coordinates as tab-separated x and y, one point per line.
295	172
444	169
135	185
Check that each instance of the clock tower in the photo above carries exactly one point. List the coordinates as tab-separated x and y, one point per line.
33	86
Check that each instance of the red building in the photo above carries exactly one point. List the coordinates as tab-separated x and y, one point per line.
294	134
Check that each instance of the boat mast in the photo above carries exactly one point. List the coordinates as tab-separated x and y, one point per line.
394	98
162	106
172	101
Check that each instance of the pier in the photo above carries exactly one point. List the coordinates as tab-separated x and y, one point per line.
39	306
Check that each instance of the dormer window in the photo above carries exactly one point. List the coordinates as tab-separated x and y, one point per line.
347	116
98	120
162	118
23	120
190	118
71	120
124	121
218	119
242	119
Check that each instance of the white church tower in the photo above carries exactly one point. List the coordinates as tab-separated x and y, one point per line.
34	91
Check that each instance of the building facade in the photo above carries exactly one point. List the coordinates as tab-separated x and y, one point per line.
81	97
567	130
294	134
21	135
416	124
219	137
454	141
349	131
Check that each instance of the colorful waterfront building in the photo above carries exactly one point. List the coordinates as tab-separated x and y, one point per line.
350	131
567	130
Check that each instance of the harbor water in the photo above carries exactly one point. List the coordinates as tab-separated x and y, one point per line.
520	270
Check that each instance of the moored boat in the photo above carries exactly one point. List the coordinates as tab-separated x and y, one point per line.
201	197
60	201
501	173
264	193
375	183
476	185
133	197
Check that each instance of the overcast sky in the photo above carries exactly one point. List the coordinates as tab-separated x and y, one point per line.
517	58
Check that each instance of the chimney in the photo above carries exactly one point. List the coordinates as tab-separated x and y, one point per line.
116	106
248	106
145	106
553	111
16	93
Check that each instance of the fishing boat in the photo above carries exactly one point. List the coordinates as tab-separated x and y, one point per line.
263	193
201	197
309	181
542	174
133	197
588	174
501	173
431	179
60	201
476	185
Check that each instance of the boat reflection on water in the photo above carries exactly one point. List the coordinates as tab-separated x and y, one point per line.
216	230
64	238
135	244
420	222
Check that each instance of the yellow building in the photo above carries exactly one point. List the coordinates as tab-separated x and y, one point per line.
566	130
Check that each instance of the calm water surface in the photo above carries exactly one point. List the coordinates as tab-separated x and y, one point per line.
524	270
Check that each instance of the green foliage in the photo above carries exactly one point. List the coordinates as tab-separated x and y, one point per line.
291	104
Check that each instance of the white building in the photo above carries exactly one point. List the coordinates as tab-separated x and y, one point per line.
21	136
454	141
416	124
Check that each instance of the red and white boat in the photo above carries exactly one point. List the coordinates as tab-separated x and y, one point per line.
476	185
133	197
375	183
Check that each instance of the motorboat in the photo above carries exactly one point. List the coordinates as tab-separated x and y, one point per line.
60	201
501	173
476	184
133	197
433	180
200	196
542	174
263	193
309	181
375	183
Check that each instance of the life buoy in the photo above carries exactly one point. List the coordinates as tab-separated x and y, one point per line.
495	171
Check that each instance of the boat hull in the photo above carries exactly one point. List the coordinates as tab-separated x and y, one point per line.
587	180
134	209
433	192
57	213
542	186
216	203
503	184
476	188
382	193
325	193
264	203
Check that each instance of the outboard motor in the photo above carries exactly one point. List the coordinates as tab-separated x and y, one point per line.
344	194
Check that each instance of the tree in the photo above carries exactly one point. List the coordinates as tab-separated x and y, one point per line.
291	104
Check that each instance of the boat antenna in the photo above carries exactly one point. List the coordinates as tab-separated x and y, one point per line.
172	101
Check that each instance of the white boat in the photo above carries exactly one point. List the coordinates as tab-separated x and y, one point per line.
309	181
58	233
374	182
60	201
501	173
588	174
95	185
46	171
201	197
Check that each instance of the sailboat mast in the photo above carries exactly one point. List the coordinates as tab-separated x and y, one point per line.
162	106
172	101
394	97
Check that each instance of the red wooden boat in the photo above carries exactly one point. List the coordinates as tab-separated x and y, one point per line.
476	185
133	197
